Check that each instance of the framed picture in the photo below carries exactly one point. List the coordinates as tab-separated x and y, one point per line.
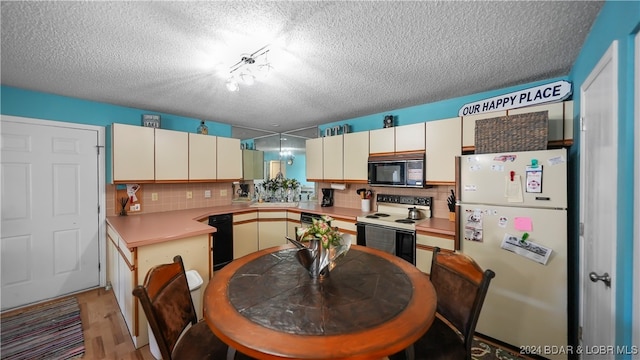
151	120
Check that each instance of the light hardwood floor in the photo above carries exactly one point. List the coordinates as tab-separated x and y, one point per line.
105	333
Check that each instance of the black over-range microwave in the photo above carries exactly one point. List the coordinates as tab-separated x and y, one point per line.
401	170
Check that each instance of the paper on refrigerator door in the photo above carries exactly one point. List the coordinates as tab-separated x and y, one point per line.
528	249
473	225
513	188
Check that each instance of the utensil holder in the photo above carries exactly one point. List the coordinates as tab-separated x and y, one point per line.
365	205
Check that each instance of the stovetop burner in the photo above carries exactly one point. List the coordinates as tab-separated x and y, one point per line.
392	211
405	221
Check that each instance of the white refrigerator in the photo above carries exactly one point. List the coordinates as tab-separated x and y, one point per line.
513	220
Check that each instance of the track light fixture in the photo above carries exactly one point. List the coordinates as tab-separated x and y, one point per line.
249	68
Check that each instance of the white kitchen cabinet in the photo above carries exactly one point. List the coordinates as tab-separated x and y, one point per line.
202	157
171	155
410	137
568	120
382	141
293	222
252	164
314	159
443	141
560	123
245	233
332	158
229	159
121	275
132	153
356	154
469	127
344	225
272	228
425	242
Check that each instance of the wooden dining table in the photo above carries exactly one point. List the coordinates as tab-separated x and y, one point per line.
371	305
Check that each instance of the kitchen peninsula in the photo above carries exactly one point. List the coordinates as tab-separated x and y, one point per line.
137	242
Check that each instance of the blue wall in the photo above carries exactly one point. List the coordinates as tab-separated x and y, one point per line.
427	112
31	104
618	20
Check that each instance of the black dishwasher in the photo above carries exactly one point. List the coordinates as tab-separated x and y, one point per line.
222	240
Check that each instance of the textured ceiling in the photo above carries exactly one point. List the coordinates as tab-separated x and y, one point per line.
332	60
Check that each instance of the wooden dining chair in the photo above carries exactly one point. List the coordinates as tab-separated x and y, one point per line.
167	303
461	287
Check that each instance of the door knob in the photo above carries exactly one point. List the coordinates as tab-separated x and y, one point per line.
605	278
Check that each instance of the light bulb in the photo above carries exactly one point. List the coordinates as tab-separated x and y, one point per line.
232	85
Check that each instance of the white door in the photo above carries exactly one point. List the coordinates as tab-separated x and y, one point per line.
50	219
598	192
636	246
275	167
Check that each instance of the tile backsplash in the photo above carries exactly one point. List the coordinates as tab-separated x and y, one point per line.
174	197
350	199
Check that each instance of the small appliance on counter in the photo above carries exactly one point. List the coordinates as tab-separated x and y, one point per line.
327	197
244	190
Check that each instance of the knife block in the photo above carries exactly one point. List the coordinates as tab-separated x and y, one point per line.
452	216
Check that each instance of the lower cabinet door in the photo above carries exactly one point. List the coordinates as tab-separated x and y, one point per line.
245	239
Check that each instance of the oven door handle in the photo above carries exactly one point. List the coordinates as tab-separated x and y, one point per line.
400	230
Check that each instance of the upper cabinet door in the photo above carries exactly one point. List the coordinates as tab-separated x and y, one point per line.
410	137
443	141
252	164
314	159
356	154
133	153
172	155
202	157
229	159
382	140
332	156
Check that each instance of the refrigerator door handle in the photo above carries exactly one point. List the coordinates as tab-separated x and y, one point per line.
605	278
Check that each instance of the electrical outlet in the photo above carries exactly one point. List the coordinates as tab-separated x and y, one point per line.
223	192
207	194
189	194
154	196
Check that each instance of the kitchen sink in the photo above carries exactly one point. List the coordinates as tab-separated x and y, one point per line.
274	204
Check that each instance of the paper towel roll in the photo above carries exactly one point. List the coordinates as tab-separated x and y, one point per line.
338	186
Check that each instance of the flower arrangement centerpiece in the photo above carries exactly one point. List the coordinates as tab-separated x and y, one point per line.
320	230
326	243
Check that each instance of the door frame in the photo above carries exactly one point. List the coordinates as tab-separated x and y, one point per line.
101	179
636	206
609	56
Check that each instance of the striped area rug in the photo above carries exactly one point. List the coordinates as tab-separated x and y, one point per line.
50	331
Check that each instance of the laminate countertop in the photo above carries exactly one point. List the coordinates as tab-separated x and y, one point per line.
147	229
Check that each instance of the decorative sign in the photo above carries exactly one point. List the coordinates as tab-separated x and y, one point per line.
151	120
337	130
555	91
